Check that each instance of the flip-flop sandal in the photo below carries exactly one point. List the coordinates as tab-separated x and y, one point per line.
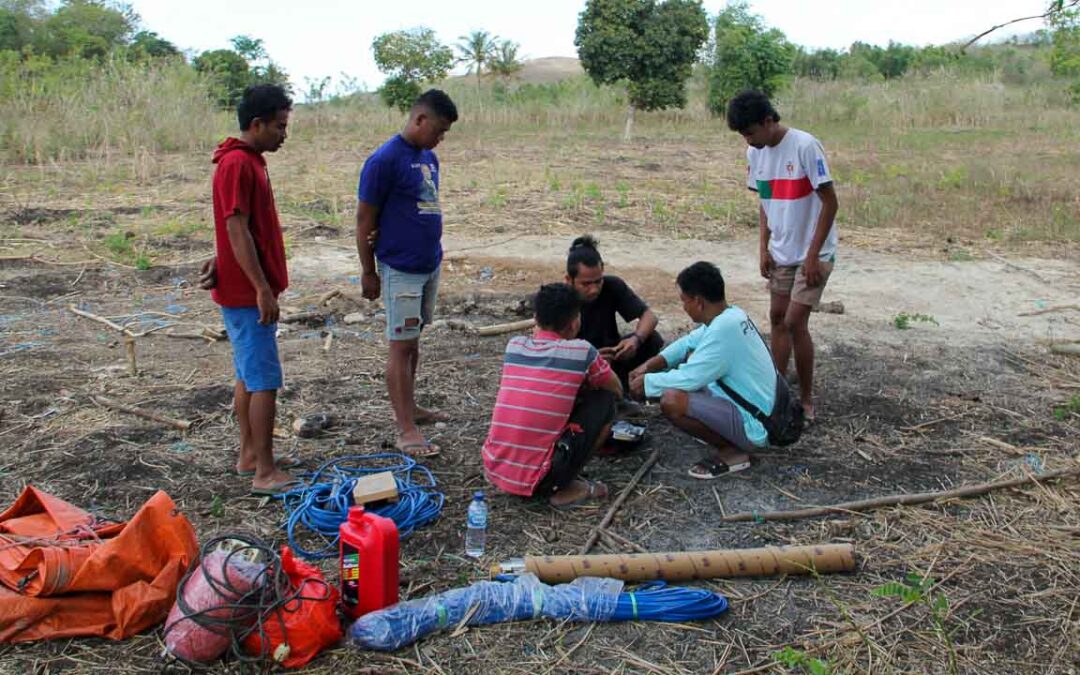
710	470
428	449
584	499
283	462
277	489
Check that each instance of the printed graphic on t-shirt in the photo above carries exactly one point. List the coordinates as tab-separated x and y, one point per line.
429	191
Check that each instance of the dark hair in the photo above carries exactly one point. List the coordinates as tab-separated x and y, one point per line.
749	107
555	306
702	280
438	102
583	251
262	101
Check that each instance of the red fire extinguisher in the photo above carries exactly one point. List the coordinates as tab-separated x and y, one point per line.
369	562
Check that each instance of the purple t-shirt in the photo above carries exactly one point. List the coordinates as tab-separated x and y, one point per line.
403	182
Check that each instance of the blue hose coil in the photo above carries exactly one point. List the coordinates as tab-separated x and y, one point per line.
322	504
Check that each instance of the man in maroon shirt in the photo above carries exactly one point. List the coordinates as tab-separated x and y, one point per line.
251	273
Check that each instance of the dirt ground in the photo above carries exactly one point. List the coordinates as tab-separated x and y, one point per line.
966	395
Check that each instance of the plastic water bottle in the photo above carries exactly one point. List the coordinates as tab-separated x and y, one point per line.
476	534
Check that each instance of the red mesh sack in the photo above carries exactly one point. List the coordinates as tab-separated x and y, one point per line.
296	632
219	580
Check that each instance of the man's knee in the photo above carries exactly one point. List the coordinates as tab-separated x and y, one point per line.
673	403
796	320
778	317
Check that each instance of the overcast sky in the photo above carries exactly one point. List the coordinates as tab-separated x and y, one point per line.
316	38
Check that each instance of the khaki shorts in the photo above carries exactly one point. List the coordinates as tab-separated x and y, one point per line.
791	281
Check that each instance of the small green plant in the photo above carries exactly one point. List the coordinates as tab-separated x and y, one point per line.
592	192
217	507
498	198
954	178
623	188
554	184
903	320
118	243
961	256
995	234
920	589
142	262
796	658
1062	412
600	215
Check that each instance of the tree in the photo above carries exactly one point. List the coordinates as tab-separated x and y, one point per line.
86	29
227	72
476	49
649	46
409	57
505	62
20	20
748	56
149	45
820	64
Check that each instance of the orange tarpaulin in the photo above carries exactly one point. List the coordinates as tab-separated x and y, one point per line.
65	573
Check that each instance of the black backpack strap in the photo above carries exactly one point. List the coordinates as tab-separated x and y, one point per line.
749	407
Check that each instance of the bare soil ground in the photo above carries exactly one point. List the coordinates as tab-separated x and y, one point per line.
968	393
968	400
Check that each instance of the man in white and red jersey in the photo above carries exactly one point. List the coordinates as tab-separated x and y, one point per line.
554	409
789	171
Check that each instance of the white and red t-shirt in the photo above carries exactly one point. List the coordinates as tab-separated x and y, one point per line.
785	178
541	377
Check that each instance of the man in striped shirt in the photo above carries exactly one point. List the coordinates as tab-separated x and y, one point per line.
554	409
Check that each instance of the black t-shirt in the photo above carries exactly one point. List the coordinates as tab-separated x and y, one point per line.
598	325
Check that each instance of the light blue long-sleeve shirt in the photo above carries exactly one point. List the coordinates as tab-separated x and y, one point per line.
728	348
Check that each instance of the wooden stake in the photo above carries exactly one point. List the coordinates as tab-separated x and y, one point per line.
591	541
183	425
501	328
896	500
99	319
129	347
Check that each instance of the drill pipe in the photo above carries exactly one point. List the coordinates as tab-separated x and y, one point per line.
684	565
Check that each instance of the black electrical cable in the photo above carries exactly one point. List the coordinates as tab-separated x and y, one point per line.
267	599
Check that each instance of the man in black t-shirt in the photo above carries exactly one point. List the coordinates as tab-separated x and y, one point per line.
603	296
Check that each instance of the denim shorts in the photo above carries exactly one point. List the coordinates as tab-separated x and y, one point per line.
255	352
409	300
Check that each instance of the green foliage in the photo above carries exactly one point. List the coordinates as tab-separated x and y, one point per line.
505	62
1065	43
227	72
648	45
1072	407
917	588
149	45
747	56
409	57
477	49
903	320
796	658
86	29
820	64
397	92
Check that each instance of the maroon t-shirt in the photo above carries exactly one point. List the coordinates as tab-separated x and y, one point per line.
242	185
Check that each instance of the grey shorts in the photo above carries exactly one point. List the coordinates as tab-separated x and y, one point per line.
409	300
720	415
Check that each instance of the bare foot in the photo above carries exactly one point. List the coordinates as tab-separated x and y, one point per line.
425	416
578	492
808	411
272	480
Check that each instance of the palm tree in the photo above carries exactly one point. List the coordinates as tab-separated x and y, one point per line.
504	61
476	49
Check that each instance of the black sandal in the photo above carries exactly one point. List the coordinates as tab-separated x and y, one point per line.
708	469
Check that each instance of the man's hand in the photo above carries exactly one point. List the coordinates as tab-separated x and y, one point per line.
626	349
208	275
812	271
637	385
370	285
767	264
268	307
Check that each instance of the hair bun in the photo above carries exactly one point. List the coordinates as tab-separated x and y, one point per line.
586	241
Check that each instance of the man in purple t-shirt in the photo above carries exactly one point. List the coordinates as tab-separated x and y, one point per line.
399	225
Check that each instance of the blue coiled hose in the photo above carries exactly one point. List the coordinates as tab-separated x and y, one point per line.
656	601
322	504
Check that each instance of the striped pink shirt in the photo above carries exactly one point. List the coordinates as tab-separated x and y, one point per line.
541	377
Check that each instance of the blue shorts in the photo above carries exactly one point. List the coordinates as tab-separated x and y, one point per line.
409	300
255	353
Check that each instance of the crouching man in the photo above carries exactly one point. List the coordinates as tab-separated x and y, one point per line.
689	376
554	409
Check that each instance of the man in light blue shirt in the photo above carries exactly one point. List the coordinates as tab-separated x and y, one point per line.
725	346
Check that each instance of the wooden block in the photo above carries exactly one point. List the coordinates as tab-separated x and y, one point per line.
375	487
